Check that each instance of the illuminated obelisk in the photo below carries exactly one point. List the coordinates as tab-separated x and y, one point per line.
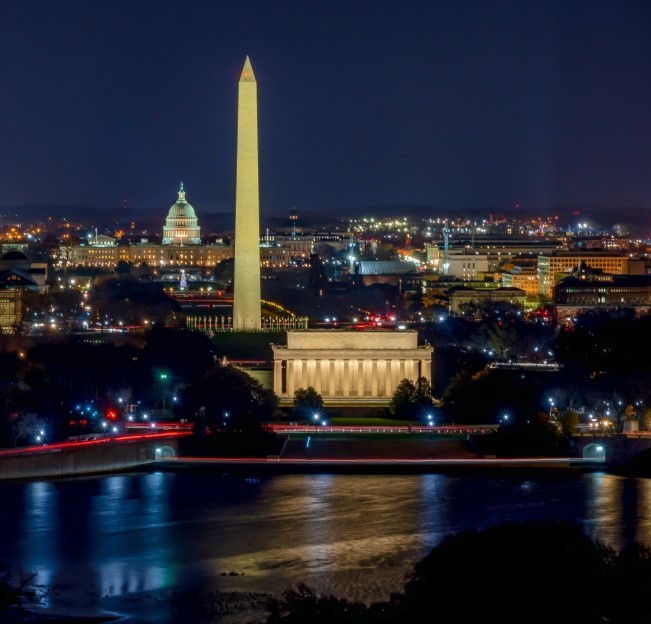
246	281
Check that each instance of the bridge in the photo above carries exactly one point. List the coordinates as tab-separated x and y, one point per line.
124	452
617	450
545	366
89	456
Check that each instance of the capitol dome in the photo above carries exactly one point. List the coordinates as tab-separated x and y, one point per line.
181	226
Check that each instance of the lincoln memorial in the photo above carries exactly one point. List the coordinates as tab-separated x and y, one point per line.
348	367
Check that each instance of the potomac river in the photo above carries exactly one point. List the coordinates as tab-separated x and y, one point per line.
126	543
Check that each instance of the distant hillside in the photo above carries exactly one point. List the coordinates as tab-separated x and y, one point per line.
42	213
636	220
601	213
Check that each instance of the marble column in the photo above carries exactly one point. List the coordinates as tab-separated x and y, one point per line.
374	379
303	379
354	376
318	376
331	378
290	378
278	379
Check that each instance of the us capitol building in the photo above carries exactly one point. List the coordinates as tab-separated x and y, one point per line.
180	246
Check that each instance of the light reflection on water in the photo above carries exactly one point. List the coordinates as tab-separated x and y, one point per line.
354	536
618	510
146	565
38	509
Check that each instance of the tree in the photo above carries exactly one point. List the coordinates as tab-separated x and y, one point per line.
224	272
186	354
531	436
316	279
499	337
521	557
492	574
229	409
412	400
25	427
569	421
131	301
14	595
230	399
123	267
307	403
303	605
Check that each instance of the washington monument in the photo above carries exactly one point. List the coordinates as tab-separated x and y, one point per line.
246	280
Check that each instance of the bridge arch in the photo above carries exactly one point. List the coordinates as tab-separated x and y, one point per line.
165	451
594	450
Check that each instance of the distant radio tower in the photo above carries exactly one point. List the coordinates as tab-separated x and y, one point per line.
124	203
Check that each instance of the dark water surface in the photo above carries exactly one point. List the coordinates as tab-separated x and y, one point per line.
354	536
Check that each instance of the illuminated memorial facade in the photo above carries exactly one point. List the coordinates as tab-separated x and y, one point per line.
349	367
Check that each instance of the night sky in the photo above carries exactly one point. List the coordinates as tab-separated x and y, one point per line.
456	105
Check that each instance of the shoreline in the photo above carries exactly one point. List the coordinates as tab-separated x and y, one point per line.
380	465
148	607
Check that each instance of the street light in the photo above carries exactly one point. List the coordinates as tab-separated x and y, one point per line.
163	379
316	421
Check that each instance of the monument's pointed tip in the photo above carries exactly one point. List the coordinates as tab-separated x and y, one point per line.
247	72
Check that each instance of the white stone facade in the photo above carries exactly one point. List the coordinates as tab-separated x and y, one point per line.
247	311
348	367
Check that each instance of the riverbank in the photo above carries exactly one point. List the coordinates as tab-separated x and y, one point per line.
144	608
375	466
376	454
305	453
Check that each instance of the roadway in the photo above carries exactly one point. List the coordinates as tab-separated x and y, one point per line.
312	428
383	463
90	441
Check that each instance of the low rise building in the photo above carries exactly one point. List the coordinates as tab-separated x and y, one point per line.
588	290
524	278
461	296
18	274
553	267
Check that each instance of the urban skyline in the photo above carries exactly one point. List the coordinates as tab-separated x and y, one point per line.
453	107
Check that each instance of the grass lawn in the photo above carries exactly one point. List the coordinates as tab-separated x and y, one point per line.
401	435
365	422
370	422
